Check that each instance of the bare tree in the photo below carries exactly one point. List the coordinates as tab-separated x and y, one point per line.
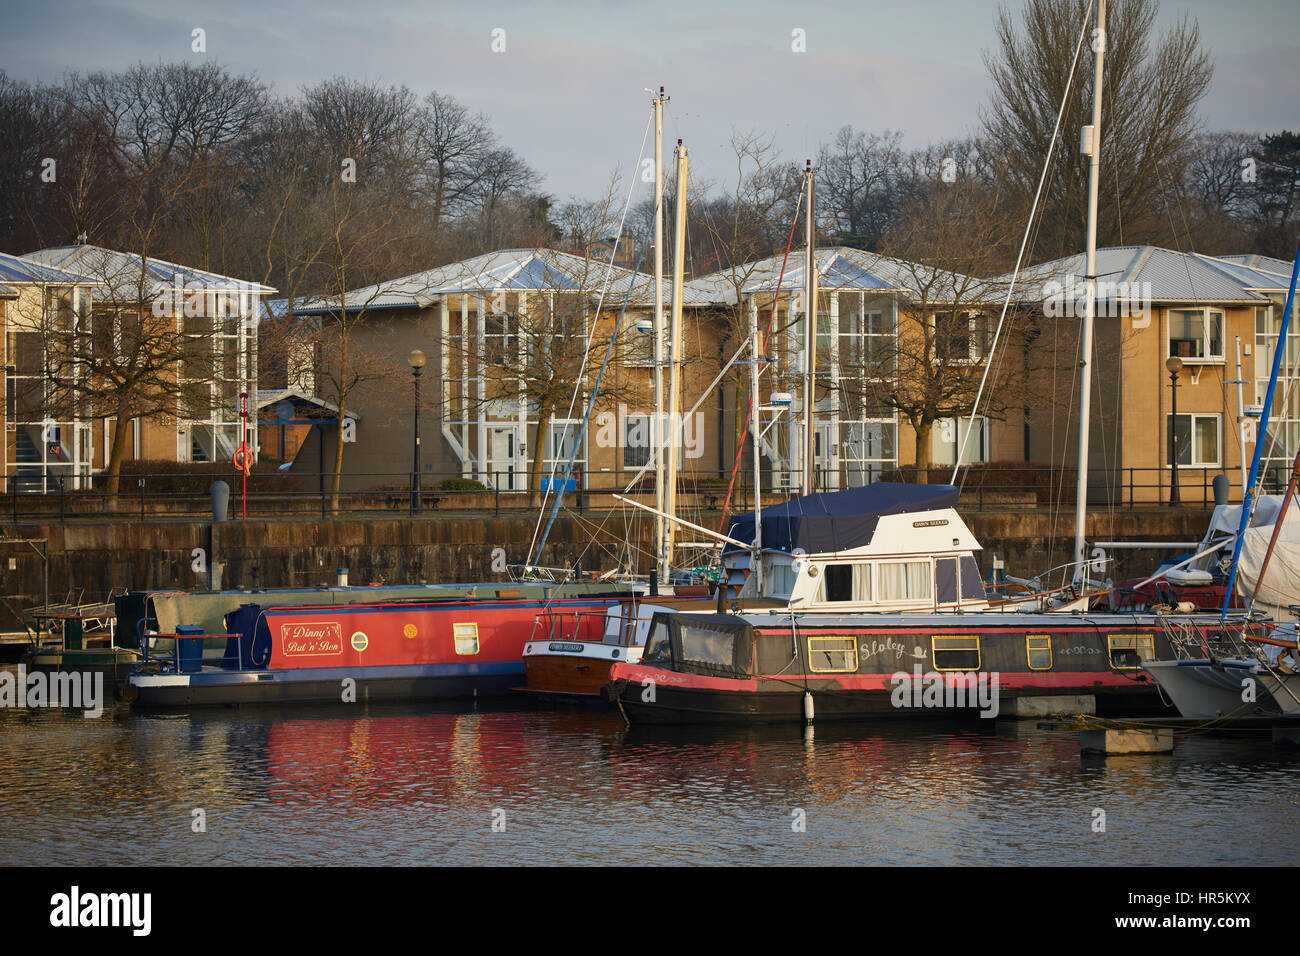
949	239
1152	88
858	185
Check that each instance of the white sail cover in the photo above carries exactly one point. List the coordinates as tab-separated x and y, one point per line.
1281	587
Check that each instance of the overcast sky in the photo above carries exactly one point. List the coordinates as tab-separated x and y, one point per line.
567	93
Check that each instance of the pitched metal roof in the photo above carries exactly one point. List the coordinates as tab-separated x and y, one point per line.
1264	263
508	270
1162	275
119	275
20	269
845	269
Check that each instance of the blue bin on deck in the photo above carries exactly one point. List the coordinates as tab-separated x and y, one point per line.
189	647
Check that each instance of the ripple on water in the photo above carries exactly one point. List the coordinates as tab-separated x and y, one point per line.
411	785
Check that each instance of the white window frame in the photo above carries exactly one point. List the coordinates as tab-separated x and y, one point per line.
1206	312
1218	424
974	355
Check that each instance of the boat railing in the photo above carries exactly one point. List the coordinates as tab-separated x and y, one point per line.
1192	639
187	652
577	626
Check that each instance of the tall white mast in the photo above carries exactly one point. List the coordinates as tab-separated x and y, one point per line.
656	420
1091	148
674	362
810	339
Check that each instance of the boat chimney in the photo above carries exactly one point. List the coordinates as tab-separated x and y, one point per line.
343	577
654	582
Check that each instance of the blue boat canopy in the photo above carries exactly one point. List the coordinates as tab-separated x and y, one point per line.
838	520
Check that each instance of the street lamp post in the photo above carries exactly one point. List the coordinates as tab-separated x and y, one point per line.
1175	365
416	358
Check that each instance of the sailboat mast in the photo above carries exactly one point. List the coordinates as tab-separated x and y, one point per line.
656	420
810	338
755	431
1092	147
674	363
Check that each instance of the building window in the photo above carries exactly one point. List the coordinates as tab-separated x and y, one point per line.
1038	648
832	655
1196	335
956	653
905	581
949	435
636	441
960	339
1196	440
500	338
466	636
1128	651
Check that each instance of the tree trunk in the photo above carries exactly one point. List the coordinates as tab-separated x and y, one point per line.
534	478
117	453
923	432
336	477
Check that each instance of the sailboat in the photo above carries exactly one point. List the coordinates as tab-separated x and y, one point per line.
570	651
903	644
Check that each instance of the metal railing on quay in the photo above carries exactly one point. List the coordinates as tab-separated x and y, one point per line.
182	495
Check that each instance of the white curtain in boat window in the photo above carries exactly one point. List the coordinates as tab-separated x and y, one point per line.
904	580
861	583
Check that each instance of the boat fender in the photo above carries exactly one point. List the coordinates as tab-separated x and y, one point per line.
809	712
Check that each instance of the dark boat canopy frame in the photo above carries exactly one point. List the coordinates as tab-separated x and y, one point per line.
715	645
838	520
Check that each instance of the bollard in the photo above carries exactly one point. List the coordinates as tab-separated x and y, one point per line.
220	494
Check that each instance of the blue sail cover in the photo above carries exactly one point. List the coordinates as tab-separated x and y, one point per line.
838	520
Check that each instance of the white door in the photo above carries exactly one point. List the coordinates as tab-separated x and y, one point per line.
501	458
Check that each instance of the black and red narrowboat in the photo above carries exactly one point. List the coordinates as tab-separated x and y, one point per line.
788	667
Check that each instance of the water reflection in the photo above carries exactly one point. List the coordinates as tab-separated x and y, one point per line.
398	784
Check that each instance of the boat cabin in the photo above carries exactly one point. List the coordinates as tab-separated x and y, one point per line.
882	547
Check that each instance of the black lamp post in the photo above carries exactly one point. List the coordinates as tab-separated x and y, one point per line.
1175	365
416	358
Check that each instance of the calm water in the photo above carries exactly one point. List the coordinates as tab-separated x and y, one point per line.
416	785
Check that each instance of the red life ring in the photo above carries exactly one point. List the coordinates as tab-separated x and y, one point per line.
243	459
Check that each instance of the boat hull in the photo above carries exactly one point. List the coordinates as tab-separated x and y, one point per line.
1285	691
1208	689
321	685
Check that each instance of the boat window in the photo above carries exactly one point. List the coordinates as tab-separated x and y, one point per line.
706	646
905	580
837	582
945	580
1128	651
956	653
780	581
832	654
1038	648
466	636
972	587
658	648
